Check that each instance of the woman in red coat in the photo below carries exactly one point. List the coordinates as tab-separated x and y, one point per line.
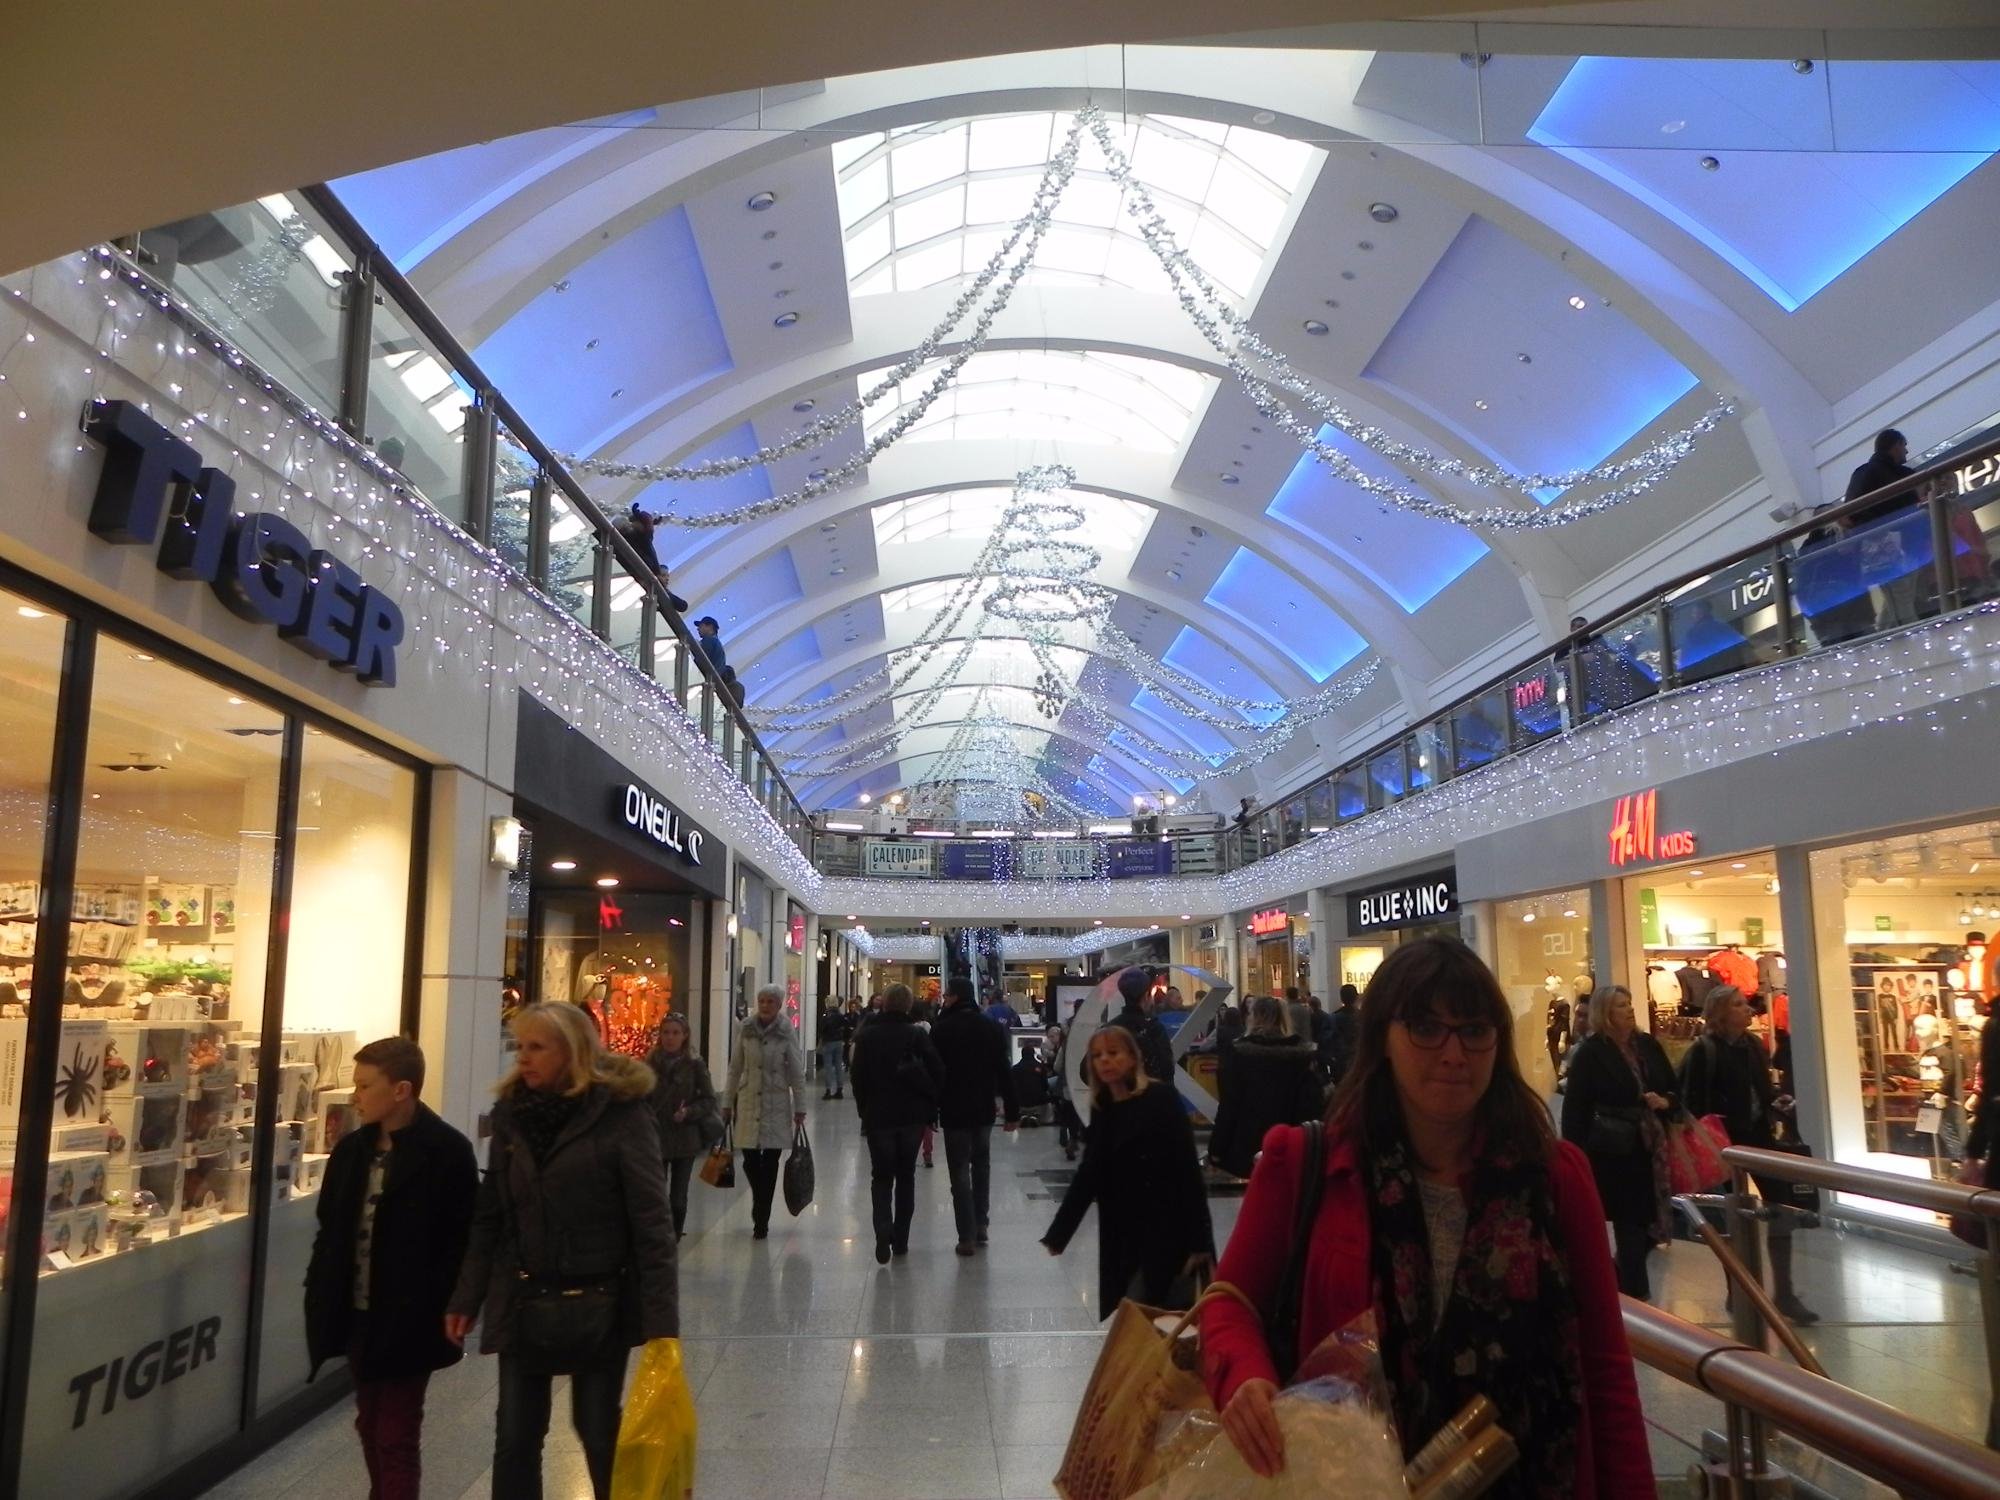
1451	1212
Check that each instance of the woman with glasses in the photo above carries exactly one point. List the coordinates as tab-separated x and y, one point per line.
1448	1210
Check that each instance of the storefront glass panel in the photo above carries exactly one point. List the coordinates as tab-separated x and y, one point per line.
622	955
1904	958
1543	948
31	661
344	988
150	1173
1701	925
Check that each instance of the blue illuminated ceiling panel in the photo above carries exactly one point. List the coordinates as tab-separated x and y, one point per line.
1813	170
1199	736
634	327
1591	380
414	206
676	544
798	650
1412	557
1207	663
764	586
1255	591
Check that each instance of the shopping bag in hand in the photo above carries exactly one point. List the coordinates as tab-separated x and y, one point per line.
656	1435
799	1173
1694	1153
719	1168
1136	1382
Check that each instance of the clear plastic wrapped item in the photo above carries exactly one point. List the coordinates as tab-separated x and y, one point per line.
1334	1438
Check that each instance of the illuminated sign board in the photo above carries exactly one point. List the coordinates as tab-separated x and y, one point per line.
1635	831
1270	923
1405	903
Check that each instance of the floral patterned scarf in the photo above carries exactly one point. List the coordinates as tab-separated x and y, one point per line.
1509	1329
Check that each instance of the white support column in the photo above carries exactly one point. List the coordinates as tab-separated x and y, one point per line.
1324	970
465	932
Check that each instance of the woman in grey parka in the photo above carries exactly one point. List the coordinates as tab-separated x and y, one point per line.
765	1099
574	1196
685	1107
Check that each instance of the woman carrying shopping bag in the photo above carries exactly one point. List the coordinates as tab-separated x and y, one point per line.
571	1261
684	1107
765	1099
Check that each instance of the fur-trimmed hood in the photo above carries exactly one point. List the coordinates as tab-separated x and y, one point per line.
626	1078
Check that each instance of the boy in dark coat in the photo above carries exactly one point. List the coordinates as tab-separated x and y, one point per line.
394	1211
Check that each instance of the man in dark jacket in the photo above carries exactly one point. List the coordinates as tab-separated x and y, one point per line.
974	1049
1156	1048
1889	463
394	1210
1346	1028
897	1078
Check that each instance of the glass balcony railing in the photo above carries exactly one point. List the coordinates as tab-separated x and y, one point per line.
309	299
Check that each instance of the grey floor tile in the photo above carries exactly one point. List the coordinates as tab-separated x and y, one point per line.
899	1472
1027	1472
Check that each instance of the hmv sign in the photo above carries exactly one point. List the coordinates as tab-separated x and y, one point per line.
155	490
1407	903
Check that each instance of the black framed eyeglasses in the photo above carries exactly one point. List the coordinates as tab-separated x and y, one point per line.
1429	1033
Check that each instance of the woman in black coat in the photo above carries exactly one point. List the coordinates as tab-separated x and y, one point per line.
1620	1095
574	1201
1140	1169
1265	1078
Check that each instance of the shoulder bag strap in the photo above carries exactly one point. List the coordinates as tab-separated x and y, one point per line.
1282	1328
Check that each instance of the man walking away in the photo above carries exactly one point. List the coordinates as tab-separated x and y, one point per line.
1321	1038
1346	1028
1156	1048
394	1211
836	1025
897	1079
974	1050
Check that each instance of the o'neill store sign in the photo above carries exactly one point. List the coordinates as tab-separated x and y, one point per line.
1431	897
155	489
652	817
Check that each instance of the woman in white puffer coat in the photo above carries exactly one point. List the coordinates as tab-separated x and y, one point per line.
765	1100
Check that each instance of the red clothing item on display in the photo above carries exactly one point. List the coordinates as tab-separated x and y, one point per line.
1613	1459
1781	1011
1733	967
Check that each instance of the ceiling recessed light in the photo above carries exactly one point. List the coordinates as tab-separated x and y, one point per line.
1382	213
829	526
835	572
1802	65
1481	404
562	864
1524	359
1364	244
1695	873
761	201
1262	117
1173	575
784	320
1315	327
1577	302
235	702
592	344
816	475
850	639
607	881
29	612
1711	164
1739	865
143	656
1232	478
617	393
1673	127
769	234
1346	275
806	405
1475	60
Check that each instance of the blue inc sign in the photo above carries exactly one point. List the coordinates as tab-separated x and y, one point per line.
155	488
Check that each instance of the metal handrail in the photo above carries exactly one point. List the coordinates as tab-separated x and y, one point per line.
1869	1436
390	282
1915	1192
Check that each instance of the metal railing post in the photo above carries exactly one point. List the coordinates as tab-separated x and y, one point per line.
1944	564
1781	570
1746	1238
600	590
1670	671
649	636
481	429
357	331
541	507
1989	1314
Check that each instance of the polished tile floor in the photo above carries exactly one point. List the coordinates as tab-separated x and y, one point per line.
816	1373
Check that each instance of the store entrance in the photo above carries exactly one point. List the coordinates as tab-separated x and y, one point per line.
1702	925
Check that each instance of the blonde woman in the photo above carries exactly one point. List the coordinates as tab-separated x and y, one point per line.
1139	1168
571	1260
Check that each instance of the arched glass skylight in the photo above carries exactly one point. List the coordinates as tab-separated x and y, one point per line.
1008	662
954	515
1051	394
930	203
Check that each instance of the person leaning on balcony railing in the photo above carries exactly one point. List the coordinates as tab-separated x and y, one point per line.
637	527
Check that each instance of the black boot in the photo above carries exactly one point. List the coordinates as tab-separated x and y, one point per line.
1783	1291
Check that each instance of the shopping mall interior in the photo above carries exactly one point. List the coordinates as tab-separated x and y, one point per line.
606	526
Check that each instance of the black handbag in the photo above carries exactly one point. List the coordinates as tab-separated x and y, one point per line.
1800	1195
565	1325
799	1174
1614	1131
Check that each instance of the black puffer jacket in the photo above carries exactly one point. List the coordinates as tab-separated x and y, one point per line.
1264	1081
419	1240
887	1094
973	1047
597	1206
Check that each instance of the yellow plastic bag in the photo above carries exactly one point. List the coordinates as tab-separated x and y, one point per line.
656	1434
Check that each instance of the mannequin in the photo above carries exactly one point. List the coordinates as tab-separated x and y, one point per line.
1558	1027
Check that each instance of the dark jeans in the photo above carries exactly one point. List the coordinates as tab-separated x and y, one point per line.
892	1178
761	1167
832	1067
968	1153
522	1421
389	1416
679	1170
1634	1243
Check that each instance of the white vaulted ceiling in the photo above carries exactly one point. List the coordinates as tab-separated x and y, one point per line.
1521	260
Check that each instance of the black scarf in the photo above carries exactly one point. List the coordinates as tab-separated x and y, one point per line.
539	1117
1509	1330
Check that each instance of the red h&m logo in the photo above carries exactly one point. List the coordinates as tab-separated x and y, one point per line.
1635	831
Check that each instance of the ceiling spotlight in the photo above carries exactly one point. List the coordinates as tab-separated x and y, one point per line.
143	656
29	612
592	344
1364	244
1232	479
1482	404
1383	213
784	320
1346	275
829	526
850	639
835	572
1577	302
1524	359
1571	912
1196	532
816	475
1475	59
1711	164
1771	886
806	405
617	393
1802	66
1737	864
1527	916
1262	117
1315	327
761	201
562	864
235	702
606	882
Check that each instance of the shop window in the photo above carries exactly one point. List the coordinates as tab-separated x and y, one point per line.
1901	976
1479	731
1700	925
150	1181
622	955
1542	944
31	663
345	981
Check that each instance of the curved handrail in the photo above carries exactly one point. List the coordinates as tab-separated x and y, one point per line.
1916	1192
1867	1435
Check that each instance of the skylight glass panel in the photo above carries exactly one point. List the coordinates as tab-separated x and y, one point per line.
1222	190
846	153
954	515
868	246
1034	394
931	265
